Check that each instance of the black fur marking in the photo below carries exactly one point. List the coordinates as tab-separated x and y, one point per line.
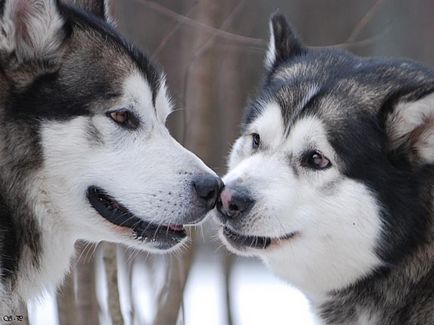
10	246
46	98
286	42
2	7
399	191
96	7
21	157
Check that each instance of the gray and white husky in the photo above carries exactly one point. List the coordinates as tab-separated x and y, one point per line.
331	182
84	151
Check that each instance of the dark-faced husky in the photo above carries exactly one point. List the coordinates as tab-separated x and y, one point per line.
84	151
331	182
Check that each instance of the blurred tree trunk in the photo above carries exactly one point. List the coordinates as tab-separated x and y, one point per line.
125	284
66	302
112	283
228	260
170	299
87	305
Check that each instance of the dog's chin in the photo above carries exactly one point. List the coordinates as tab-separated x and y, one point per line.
132	230
248	245
156	247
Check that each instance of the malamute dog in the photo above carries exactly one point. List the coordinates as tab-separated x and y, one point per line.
84	151
331	183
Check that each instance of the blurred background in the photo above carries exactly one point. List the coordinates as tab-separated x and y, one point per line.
213	52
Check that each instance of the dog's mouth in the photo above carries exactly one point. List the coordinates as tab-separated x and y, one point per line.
258	242
162	236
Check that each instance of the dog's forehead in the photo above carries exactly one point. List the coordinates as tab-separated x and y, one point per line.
306	131
103	65
345	92
327	86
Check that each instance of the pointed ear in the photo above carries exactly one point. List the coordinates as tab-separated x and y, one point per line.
99	8
31	29
283	44
410	129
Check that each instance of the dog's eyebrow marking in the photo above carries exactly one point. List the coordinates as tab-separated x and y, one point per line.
311	93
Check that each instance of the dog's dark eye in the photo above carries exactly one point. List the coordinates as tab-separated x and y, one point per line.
256	141
315	160
124	118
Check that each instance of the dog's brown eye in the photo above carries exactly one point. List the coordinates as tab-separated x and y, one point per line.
124	118
120	117
256	141
316	160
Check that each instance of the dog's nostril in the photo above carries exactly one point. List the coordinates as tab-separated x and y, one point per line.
233	207
233	203
208	188
209	196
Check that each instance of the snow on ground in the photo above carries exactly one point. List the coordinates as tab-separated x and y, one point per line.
257	297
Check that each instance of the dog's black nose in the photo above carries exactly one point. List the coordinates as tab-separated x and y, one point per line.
208	189
233	203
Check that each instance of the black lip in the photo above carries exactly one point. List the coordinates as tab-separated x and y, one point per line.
247	241
162	235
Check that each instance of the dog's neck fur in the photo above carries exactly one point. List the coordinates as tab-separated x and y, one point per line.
44	243
400	294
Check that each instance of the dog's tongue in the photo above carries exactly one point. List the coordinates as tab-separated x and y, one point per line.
176	227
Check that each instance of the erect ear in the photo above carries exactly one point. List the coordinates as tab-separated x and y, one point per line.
31	29
283	44
99	8
410	128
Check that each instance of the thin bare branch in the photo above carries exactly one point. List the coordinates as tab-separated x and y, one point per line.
194	23
227	269
364	21
171	32
364	42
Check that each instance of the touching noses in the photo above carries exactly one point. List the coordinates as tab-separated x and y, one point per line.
208	188
233	203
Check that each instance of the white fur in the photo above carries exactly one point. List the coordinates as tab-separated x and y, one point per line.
163	103
311	91
365	318
32	28
290	71
139	168
57	245
270	57
409	116
336	219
